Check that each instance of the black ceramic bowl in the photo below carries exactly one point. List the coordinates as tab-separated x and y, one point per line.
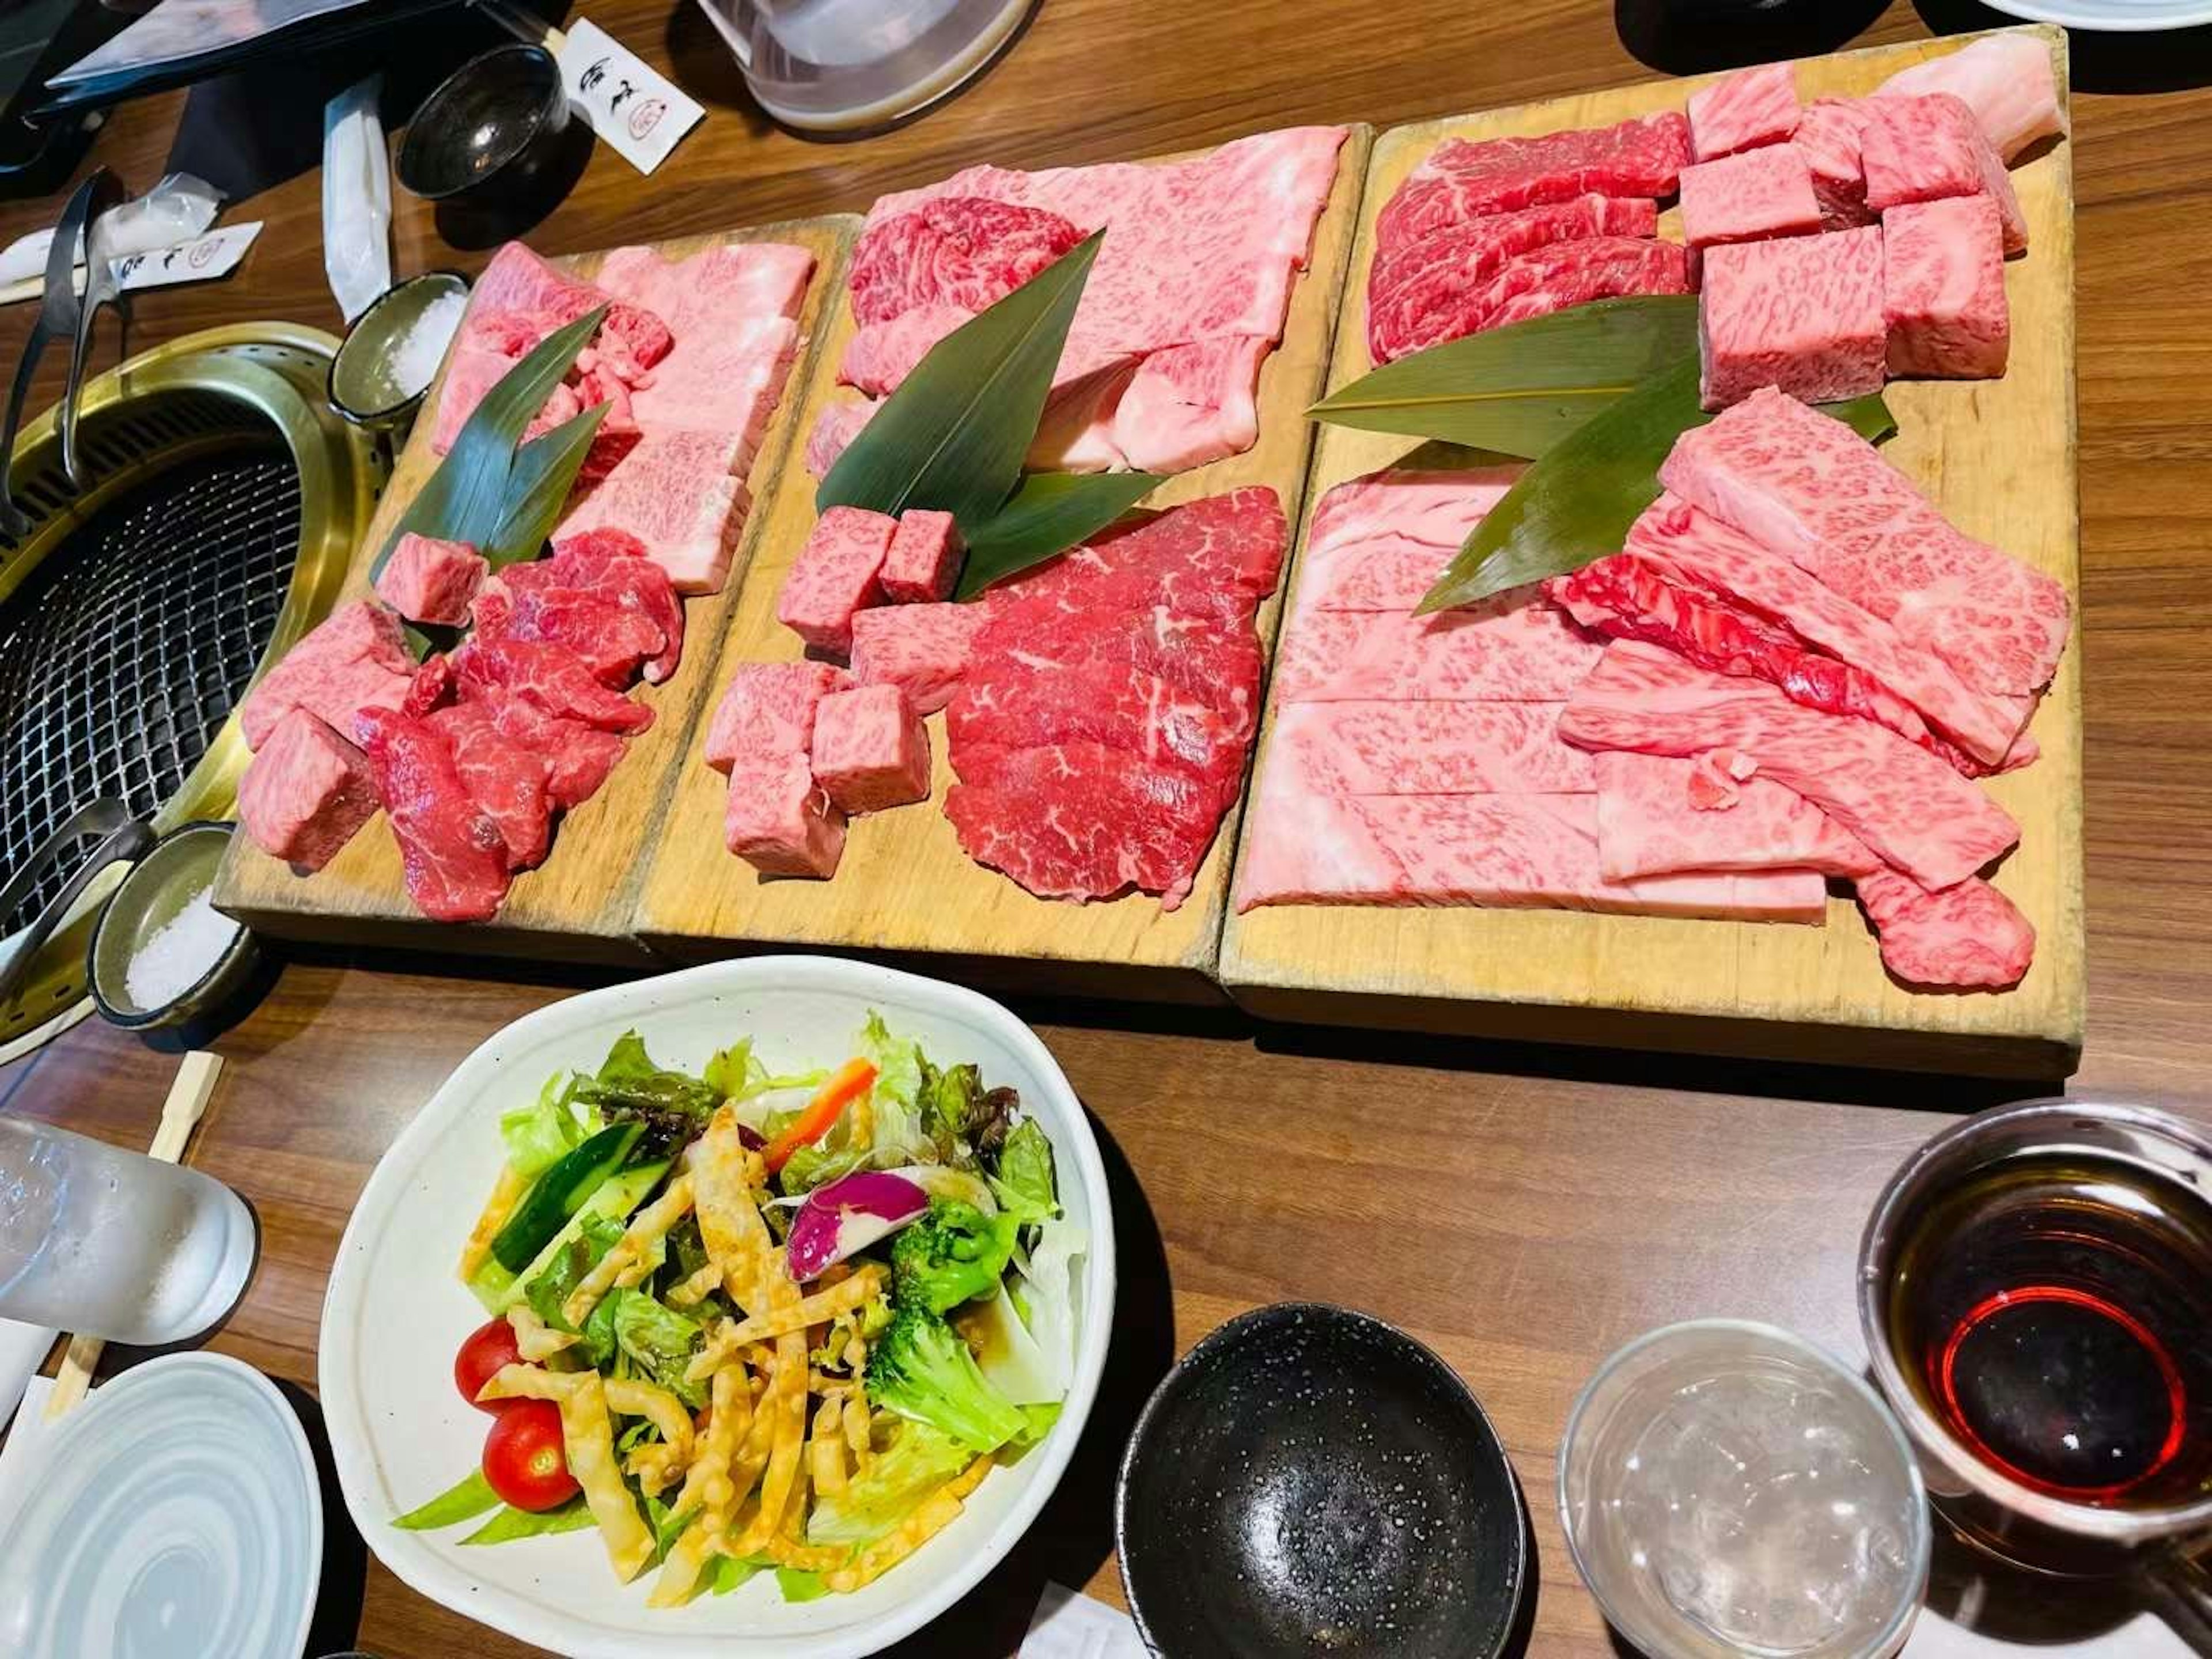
498	118
1311	1480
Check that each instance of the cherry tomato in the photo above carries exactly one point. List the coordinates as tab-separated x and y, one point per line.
489	1348
523	1458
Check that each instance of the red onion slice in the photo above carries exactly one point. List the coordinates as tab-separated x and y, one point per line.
850	1214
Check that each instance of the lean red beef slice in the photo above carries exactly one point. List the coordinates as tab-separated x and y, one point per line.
305	792
1551	278
1750	198
1743	110
528	603
356	658
507	780
2005	79
1438	276
1913	810
614	564
1944	289
1928	148
552	676
1468	178
578	758
1215	558
1137	714
1814	490
923	649
451	853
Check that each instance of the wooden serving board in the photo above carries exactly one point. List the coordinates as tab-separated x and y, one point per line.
904	887
1999	457
577	904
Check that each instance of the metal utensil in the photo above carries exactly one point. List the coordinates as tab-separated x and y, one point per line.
58	316
102	287
126	837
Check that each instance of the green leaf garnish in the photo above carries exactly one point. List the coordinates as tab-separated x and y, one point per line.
953	436
537	487
463	1501
1577	501
1522	388
509	1524
1047	514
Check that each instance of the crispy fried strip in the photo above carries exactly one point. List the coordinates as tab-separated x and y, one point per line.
786	1404
588	1437
931	1517
708	1488
807	1557
690	1292
788	1314
825	1452
626	1260
679	1573
505	1195
534	1339
724	1174
657	1465
856	1426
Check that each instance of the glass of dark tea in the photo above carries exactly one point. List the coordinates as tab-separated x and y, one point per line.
2035	1287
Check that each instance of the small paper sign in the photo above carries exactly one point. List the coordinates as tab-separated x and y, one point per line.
629	104
200	260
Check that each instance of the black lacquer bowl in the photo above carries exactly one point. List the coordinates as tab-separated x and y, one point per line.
1309	1480
492	126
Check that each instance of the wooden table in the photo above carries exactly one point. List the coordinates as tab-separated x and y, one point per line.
1522	1210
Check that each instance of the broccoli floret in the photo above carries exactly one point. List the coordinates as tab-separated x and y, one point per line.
921	1371
953	1254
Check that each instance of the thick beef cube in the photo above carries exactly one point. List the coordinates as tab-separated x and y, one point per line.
429	581
923	649
834	576
924	560
1743	110
356	660
305	792
1749	197
768	710
779	820
1803	313
1827	137
1929	148
1944	289
871	750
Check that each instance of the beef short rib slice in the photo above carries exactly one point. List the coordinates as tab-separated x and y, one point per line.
1465	178
1081	821
451	853
1214	559
956	251
1970	937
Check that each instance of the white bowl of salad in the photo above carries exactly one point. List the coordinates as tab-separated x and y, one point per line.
752	1309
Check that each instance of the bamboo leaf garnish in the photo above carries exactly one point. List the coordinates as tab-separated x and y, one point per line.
1522	388
952	437
537	488
466	499
1047	514
1577	502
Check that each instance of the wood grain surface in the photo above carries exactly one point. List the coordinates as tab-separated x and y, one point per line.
577	904
903	884
1998	456
1521	1208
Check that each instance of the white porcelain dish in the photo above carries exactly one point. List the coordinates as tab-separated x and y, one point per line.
2110	16
395	1314
175	1512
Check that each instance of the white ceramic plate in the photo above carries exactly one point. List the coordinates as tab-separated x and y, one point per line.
2110	16
395	1314
176	1512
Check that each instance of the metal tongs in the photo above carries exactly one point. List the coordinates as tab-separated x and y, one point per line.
66	313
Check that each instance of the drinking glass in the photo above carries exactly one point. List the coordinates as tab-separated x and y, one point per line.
2035	1285
1727	1487
111	1244
838	64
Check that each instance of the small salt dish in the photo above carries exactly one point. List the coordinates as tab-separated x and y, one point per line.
156	896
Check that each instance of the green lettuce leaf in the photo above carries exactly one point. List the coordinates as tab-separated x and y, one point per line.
510	1524
661	1341
918	1460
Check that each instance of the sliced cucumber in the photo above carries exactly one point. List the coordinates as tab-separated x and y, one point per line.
500	1290
560	1193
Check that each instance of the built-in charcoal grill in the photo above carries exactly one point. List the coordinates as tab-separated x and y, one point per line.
124	653
223	499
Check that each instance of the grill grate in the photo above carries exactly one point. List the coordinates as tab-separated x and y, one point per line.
122	654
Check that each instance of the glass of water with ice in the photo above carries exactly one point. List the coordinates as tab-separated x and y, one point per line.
1728	1488
110	1244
